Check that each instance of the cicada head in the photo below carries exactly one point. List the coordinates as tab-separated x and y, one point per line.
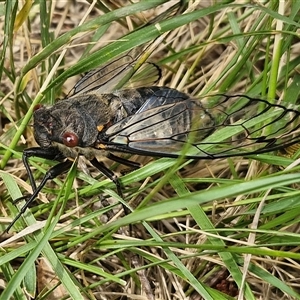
68	123
43	126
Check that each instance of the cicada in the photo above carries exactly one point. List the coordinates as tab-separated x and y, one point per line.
99	121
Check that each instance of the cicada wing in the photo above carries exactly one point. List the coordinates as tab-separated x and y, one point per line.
156	96
213	127
130	69
104	78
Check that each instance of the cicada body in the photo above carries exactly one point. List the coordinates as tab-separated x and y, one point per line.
159	121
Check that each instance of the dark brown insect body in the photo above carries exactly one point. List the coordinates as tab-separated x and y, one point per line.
75	125
158	121
79	125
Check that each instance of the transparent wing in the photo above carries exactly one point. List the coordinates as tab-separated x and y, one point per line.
214	126
127	70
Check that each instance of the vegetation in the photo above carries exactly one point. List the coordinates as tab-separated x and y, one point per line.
200	229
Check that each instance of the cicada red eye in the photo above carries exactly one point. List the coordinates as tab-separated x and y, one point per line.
70	139
36	107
